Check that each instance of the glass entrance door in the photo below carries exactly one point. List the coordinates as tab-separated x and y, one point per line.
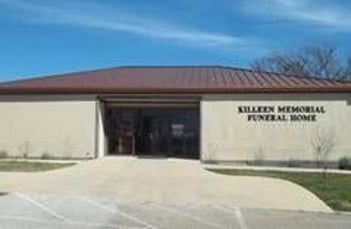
170	132
155	132
121	131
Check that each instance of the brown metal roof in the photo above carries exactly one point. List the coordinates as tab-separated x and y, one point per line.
172	79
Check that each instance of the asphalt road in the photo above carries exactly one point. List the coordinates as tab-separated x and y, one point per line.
35	211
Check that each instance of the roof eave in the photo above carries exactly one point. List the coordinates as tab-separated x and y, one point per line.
222	90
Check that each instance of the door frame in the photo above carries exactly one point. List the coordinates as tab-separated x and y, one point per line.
189	105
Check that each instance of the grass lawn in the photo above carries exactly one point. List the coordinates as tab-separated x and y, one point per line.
24	166
336	191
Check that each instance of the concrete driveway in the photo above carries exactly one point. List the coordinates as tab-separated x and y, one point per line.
163	181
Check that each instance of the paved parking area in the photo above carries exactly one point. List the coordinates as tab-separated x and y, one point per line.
33	211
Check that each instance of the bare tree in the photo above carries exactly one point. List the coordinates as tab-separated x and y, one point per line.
323	143
321	61
259	156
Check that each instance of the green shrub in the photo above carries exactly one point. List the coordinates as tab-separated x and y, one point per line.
3	154
294	163
45	156
345	163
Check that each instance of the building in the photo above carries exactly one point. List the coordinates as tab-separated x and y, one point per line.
209	112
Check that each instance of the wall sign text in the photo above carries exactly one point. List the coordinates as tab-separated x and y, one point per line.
281	113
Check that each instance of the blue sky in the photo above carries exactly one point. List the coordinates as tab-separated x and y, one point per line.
40	37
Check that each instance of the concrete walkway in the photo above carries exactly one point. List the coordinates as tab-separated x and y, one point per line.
165	181
273	168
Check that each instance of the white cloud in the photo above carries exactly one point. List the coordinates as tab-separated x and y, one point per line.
320	13
99	16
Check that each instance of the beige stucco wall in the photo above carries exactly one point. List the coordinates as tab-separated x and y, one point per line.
227	135
60	126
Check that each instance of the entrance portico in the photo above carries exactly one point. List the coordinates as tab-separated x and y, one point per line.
167	128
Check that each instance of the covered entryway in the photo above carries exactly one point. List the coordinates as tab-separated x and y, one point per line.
167	128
